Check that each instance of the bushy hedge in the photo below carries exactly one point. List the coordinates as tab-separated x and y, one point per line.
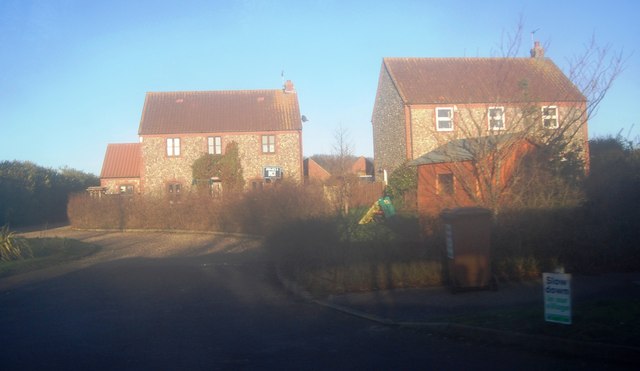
332	255
601	235
32	194
256	212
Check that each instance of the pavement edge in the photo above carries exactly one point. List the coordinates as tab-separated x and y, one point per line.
538	343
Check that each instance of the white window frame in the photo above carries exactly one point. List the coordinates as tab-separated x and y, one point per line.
214	145
440	119
546	117
173	147
502	119
268	143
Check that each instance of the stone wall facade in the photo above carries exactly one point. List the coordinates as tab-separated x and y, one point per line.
388	123
160	170
469	120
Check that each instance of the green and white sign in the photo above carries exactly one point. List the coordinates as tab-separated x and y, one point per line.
557	297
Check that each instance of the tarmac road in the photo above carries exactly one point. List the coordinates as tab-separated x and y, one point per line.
176	302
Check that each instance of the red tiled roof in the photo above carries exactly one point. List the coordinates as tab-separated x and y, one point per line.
480	80
219	111
315	171
122	160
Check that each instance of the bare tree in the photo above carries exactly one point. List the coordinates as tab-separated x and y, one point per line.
342	175
342	150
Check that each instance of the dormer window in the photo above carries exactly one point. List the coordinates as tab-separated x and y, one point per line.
444	119
550	117
496	118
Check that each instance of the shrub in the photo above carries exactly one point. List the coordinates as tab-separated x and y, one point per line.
403	184
31	194
225	167
11	246
336	254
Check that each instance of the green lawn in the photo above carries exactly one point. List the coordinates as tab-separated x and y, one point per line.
48	252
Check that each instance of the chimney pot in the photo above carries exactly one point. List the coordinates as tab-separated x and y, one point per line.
537	51
288	87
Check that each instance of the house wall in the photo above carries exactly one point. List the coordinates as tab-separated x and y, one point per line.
159	169
465	185
315	172
362	167
388	123
113	184
470	121
430	201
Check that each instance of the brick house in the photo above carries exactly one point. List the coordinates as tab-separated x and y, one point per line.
429	111
318	170
423	103
314	172
121	168
177	128
363	168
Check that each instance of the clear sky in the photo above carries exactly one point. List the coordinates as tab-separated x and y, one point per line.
74	73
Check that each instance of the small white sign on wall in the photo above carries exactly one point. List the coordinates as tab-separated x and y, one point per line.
557	297
272	172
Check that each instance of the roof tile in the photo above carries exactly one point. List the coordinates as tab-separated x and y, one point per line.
122	160
480	80
219	111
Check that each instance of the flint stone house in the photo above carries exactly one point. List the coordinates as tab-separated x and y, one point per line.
177	128
423	103
429	111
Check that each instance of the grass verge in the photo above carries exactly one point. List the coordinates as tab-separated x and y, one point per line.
47	252
613	321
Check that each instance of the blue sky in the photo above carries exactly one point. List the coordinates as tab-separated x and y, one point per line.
74	73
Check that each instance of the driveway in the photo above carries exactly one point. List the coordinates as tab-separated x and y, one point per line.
198	301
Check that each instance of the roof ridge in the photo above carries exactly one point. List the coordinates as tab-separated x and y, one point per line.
244	91
468	58
476	79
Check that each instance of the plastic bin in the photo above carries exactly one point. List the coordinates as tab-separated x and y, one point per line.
468	244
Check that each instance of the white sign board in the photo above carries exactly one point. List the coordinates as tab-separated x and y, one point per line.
557	297
272	172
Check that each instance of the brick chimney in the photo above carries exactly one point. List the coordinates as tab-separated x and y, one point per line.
288	87
537	51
